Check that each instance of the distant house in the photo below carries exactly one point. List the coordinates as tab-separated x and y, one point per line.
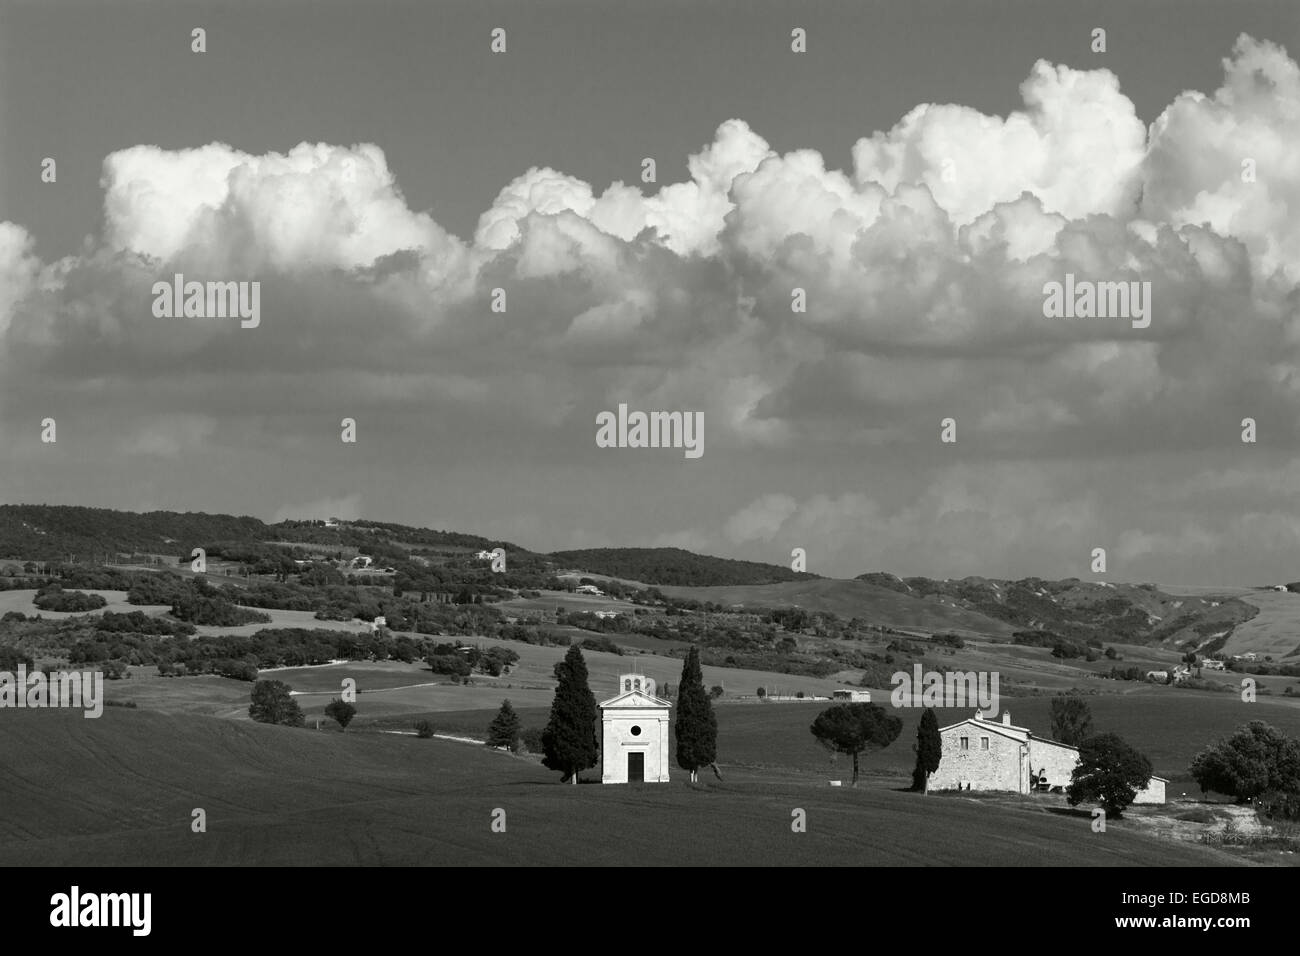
981	754
588	589
1153	792
1279	587
1158	677
1249	656
484	556
1212	665
361	561
605	614
851	696
1181	673
331	522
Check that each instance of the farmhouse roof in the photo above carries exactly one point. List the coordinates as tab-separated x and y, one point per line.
1009	730
1021	734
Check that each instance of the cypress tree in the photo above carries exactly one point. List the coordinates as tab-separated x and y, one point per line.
929	748
569	742
504	729
697	726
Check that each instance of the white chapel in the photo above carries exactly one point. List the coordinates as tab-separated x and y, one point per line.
634	733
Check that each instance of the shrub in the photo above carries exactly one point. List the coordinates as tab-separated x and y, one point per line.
424	729
12	657
341	712
601	644
454	664
532	739
1279	805
54	598
1256	759
272	704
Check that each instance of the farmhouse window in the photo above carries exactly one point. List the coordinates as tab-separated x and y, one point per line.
965	743
984	743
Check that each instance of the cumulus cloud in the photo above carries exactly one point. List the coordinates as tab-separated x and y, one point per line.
18	269
761	519
1078	145
922	267
1230	160
167	436
318	206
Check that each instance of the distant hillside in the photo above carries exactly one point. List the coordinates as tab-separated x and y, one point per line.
52	532
674	566
48	532
1124	613
851	599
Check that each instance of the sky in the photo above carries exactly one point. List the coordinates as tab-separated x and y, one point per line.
920	172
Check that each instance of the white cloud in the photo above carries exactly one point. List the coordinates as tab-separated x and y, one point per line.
318	206
924	285
761	519
1077	145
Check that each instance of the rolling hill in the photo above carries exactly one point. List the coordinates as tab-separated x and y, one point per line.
1078	610
278	796
849	599
676	567
1085	610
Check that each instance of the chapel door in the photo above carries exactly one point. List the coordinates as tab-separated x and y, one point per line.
636	767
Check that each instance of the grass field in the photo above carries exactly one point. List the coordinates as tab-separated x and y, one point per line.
850	599
570	601
1274	631
1168	725
22	601
120	790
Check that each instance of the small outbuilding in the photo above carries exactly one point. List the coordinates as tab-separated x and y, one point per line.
634	733
851	696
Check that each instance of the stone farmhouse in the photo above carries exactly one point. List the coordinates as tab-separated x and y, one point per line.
982	754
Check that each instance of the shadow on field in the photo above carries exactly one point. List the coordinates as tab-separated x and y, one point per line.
1075	812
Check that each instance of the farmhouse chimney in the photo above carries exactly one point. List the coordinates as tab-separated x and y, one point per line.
1006	718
